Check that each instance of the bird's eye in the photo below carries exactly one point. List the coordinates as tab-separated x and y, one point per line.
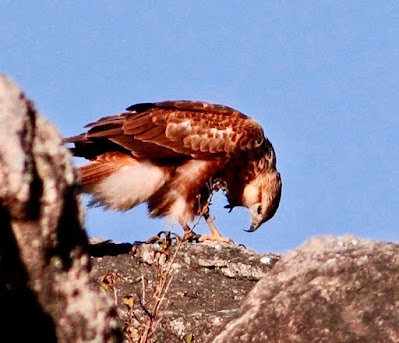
259	210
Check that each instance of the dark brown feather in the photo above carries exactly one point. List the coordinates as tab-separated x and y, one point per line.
173	128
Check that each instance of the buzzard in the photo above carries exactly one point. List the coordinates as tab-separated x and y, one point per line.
173	155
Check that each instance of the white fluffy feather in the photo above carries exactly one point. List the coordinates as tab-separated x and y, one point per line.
129	186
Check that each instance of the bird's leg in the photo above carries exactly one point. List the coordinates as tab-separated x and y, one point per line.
188	233
215	234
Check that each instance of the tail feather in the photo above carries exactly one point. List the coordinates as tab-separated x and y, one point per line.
94	172
119	181
101	167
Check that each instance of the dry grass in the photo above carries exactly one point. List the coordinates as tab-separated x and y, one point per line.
143	308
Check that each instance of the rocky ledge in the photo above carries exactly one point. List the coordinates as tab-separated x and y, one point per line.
329	290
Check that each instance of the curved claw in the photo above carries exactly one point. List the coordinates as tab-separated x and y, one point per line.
168	236
166	233
195	238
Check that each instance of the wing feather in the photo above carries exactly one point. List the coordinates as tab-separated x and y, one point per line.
106	132
173	128
151	134
137	130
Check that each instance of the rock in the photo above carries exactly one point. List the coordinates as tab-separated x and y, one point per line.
46	293
208	283
329	290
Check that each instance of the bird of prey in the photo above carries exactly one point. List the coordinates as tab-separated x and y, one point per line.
172	155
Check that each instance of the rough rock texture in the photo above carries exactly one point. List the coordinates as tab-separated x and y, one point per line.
208	285
45	291
329	290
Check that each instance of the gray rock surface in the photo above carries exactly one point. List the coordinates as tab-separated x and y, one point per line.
329	290
208	284
46	294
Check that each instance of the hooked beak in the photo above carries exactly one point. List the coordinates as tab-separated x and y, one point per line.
252	228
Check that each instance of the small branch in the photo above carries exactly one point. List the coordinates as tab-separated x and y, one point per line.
163	285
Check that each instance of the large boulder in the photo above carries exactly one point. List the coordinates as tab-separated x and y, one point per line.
46	294
329	290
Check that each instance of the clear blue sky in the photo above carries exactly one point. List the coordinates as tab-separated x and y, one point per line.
322	77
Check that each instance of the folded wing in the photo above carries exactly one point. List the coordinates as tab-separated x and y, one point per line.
171	129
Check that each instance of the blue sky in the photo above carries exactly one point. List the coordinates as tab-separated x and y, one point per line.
320	76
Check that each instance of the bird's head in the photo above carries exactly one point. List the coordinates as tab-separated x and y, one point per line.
262	197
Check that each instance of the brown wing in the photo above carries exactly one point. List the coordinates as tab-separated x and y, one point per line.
171	129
